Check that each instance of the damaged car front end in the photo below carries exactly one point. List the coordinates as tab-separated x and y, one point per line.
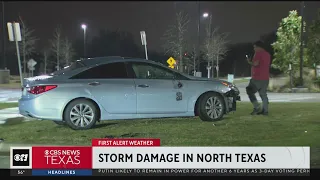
231	96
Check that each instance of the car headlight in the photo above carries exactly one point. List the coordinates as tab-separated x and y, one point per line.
231	86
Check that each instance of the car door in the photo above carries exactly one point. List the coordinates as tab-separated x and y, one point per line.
158	92
110	85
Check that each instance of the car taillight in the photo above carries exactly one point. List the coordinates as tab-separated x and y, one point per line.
41	89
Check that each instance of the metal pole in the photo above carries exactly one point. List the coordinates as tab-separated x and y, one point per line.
84	43
146	51
18	52
217	67
198	47
3	38
301	43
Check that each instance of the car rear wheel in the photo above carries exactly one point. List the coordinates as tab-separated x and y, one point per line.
81	114
211	107
59	122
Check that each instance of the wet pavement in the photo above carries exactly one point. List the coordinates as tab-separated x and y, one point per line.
10	95
11	114
4	162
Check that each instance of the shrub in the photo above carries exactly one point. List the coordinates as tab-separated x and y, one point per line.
309	81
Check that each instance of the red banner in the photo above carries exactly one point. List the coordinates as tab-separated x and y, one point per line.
126	142
64	157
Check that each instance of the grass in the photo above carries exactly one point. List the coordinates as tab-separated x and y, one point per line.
289	124
7	105
240	81
14	83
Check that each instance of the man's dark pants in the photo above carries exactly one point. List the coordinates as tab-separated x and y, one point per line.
261	87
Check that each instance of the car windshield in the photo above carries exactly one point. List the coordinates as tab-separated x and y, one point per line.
181	73
73	66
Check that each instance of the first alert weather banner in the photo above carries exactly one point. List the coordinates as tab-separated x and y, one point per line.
110	157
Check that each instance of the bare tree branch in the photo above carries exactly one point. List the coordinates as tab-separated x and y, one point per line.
27	44
175	40
215	46
46	53
67	51
56	44
192	62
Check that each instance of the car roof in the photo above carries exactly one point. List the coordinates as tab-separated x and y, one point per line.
111	59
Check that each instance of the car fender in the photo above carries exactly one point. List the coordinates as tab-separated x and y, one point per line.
85	94
205	88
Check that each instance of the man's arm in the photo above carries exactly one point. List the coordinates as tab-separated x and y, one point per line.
254	61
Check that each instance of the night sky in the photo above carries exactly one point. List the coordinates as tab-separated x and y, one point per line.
244	21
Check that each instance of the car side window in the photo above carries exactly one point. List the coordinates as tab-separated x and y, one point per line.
106	71
150	71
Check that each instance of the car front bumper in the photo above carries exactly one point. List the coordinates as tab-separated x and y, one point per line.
231	98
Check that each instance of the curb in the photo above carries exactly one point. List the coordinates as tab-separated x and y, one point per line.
5	147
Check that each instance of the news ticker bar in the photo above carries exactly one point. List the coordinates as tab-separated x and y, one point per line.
160	172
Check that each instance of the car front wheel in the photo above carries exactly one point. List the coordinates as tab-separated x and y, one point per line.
211	107
81	114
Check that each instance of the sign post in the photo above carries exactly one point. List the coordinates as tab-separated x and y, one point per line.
208	68
171	62
144	42
31	64
15	35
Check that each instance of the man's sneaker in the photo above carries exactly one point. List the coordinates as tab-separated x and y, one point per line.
263	113
255	112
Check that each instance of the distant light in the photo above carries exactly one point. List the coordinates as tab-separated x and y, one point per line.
205	15
83	26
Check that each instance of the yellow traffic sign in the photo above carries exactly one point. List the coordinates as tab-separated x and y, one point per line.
171	62
171	66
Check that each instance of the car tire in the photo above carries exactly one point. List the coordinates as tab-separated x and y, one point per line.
59	123
208	114
88	109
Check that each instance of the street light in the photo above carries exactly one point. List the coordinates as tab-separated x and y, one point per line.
84	27
204	15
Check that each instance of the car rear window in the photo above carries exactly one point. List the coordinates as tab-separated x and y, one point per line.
73	66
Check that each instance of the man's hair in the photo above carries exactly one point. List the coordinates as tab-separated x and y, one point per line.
259	44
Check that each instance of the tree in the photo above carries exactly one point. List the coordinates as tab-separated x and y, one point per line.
45	59
287	46
192	62
215	47
314	42
67	51
220	49
56	44
27	44
175	38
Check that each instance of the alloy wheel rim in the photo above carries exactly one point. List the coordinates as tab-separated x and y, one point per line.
213	107
81	115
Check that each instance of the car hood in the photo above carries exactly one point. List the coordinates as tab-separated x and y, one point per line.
205	79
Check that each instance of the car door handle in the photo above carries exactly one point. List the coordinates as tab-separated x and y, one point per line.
143	85
94	83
